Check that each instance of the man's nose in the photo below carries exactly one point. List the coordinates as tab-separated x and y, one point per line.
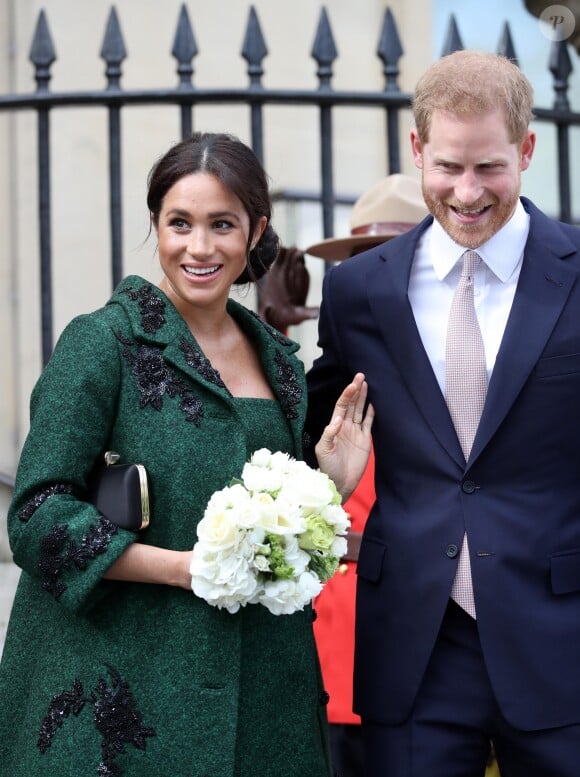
468	188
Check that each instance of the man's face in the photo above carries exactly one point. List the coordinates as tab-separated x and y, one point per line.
471	173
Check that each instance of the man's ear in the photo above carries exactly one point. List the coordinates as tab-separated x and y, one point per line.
527	149
417	149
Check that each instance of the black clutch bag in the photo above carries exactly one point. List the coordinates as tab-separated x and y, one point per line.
120	492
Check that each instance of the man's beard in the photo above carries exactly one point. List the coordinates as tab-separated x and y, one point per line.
476	234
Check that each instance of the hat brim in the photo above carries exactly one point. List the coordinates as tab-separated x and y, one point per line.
338	249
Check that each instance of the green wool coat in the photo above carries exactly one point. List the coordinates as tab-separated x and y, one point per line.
103	678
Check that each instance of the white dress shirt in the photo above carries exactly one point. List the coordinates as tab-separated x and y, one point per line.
434	276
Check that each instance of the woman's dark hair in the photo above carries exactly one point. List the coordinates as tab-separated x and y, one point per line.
239	170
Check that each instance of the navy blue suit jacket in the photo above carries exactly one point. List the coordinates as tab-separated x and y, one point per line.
518	496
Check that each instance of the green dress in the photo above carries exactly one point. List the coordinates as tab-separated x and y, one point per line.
116	679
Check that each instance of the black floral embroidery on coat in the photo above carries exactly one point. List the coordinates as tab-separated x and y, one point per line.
274	333
151	305
115	714
290	389
155	378
195	358
40	497
59	553
60	708
117	718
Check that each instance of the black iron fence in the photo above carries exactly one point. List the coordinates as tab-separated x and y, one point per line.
185	96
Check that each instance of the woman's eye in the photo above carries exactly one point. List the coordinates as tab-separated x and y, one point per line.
179	223
222	224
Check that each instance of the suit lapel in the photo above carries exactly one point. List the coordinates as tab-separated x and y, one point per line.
544	286
389	302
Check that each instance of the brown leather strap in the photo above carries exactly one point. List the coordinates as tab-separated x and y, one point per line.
353	540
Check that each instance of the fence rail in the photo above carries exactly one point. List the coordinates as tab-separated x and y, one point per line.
185	96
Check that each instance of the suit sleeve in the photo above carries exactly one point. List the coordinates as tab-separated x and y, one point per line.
328	375
55	536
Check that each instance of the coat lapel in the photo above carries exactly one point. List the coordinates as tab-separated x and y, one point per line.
155	321
284	371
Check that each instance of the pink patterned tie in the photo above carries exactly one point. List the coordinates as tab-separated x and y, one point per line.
465	390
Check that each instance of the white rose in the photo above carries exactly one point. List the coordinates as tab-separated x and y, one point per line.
218	528
310	488
262	479
228	498
264	510
261	457
289	518
281	461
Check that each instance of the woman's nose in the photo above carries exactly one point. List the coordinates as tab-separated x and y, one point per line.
199	244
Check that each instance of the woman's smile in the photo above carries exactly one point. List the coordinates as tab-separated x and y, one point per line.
203	272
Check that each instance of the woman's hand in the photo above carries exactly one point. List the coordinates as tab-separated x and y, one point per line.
344	448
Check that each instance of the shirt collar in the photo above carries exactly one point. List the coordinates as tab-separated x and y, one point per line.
501	253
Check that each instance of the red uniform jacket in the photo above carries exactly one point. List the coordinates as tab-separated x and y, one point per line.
334	626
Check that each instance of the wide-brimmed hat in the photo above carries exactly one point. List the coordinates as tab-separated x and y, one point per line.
390	208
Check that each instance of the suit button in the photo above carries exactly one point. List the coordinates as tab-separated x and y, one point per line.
451	551
324	698
468	487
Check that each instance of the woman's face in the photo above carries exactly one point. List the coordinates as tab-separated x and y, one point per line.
202	233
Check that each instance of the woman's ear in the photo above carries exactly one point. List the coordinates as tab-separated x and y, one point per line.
258	232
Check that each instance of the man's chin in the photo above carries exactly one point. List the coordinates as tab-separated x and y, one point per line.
466	235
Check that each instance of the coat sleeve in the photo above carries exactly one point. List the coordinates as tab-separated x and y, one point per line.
55	536
328	376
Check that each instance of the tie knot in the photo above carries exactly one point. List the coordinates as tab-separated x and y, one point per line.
471	260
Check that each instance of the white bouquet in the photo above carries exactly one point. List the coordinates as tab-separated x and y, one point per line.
272	538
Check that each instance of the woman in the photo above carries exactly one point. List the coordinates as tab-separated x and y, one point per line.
111	666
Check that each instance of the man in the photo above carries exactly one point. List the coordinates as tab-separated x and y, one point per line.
468	596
